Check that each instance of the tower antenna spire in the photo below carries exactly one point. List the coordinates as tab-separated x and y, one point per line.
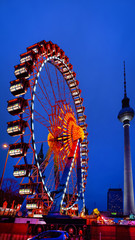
125	90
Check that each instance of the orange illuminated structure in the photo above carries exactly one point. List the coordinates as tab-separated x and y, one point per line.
66	131
49	117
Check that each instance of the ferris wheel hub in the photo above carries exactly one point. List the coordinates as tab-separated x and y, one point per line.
64	132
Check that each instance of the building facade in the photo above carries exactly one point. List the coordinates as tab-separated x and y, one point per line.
115	201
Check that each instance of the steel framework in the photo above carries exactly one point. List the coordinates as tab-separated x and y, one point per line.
51	120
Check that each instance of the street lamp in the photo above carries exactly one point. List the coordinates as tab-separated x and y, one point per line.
5	146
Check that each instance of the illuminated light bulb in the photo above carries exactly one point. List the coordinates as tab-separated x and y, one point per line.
5	145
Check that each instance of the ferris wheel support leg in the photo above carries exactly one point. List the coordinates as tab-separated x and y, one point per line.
61	190
81	205
81	200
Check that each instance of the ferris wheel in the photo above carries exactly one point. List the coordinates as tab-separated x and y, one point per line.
50	130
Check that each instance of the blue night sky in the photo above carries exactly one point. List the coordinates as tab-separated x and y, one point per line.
96	36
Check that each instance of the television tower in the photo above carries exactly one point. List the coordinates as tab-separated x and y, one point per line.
125	115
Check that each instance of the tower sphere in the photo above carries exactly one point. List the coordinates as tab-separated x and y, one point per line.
126	113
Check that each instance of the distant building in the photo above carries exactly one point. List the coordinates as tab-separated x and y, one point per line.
115	201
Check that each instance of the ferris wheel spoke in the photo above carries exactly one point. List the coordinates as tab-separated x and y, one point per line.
45	91
47	170
46	161
40	101
50	183
64	89
49	77
40	119
59	92
56	171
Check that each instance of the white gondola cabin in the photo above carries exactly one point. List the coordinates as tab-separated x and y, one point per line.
70	76
32	206
85	152
78	101
81	119
29	56
18	149
23	70
85	135
28	188
84	162
17	106
34	203
84	169
38	48
84	126
50	49
76	93
16	128
84	144
66	68
73	84
80	110
22	170
19	86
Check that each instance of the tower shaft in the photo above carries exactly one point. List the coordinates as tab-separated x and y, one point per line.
125	115
128	179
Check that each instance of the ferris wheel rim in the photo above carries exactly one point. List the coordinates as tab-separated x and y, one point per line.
32	117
